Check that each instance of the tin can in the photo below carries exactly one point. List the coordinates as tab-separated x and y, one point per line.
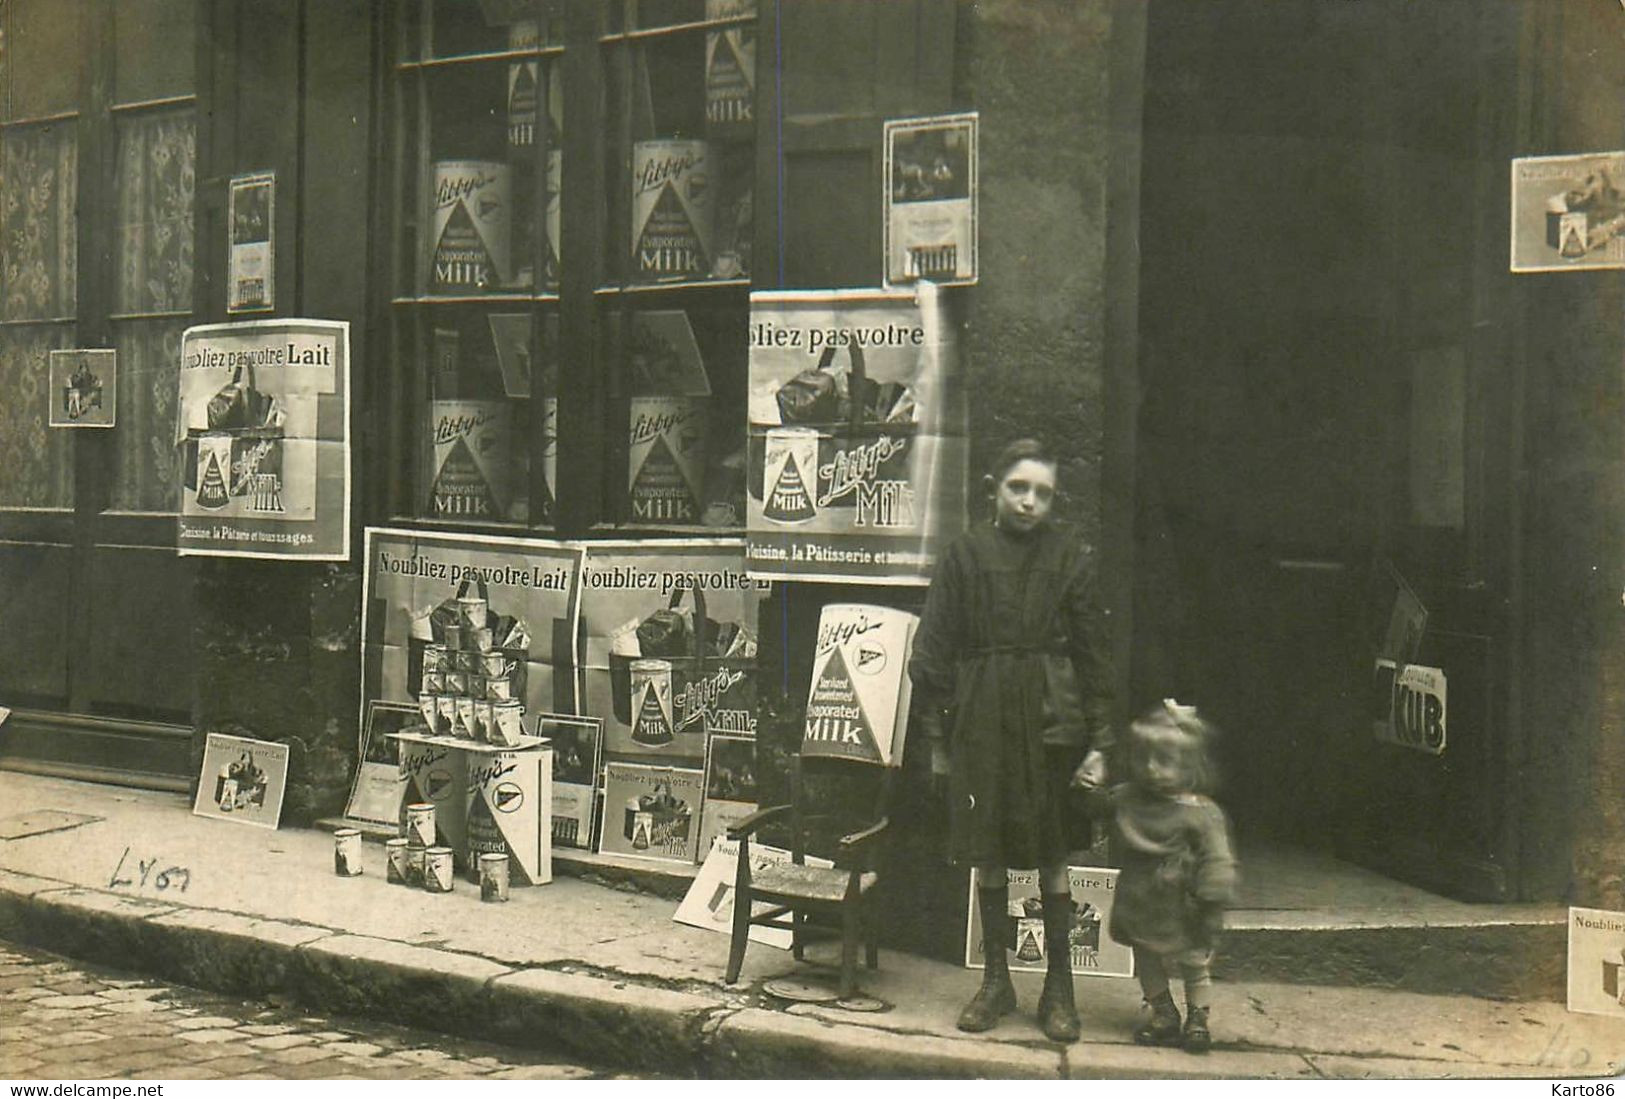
437	875
477	686
499	688
457	683
643	824
494	876
445	714
471	227
347	853
429	707
507	726
433	683
453	634
395	859
462	723
493	663
651	702
673	209
420	828
434	658
479	641
790	472
416	858
484	718
629	818
228	795
471	611
666	449
465	660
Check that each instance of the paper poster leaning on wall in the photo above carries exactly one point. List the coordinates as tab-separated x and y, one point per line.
1094	952
1596	961
463	626
670	631
855	467
264	431
242	780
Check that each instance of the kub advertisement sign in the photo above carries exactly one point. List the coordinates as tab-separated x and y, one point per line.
1411	706
856	457
264	428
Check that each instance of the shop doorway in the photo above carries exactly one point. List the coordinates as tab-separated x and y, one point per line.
1323	407
98	139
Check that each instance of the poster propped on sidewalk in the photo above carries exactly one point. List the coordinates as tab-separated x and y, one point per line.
1094	952
264	430
930	200
709	902
578	744
1596	961
379	786
452	618
651	812
1568	212
855	468
242	780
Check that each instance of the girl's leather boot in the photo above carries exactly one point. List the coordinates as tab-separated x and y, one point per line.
997	996
1162	1028
1057	1011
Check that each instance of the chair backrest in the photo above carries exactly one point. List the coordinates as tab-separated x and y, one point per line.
833	797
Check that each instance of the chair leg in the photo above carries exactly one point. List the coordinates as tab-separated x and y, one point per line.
741	934
796	941
850	919
871	938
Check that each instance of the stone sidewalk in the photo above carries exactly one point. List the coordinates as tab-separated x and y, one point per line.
605	975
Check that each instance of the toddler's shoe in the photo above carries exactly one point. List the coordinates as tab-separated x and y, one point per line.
1162	1028
1197	1039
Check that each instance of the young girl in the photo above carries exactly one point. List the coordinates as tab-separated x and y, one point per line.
1011	644
1178	874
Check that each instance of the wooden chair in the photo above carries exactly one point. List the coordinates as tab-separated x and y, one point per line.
843	802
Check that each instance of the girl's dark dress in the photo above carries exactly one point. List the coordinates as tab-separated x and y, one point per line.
1012	643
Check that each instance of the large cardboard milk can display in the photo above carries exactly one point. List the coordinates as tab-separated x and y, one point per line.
857	707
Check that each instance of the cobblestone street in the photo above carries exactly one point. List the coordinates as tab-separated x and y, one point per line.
60	1020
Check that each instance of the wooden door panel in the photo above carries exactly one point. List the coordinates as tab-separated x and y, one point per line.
140	658
34	623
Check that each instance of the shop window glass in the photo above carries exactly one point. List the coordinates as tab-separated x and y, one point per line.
681	160
156	51
38	34
481	109
38	245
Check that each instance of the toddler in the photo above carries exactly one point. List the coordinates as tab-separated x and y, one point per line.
1178	875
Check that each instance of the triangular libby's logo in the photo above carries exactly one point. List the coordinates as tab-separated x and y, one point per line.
653	724
836	723
460	489
790	501
211	488
669	218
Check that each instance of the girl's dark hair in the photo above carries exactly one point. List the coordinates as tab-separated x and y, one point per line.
1020	450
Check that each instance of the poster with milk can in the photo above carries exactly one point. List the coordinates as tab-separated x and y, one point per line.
857	449
264	434
670	657
477	633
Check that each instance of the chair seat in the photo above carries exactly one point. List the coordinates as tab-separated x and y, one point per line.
813	883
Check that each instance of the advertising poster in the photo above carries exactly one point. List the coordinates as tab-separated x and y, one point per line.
930	200
670	631
84	388
264	426
510	801
857	706
651	812
674	201
709	902
1094	952
474	473
730	786
242	780
730	72
456	618
1568	212
251	260
1596	961
856	461
577	751
376	792
1416	707
435	773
